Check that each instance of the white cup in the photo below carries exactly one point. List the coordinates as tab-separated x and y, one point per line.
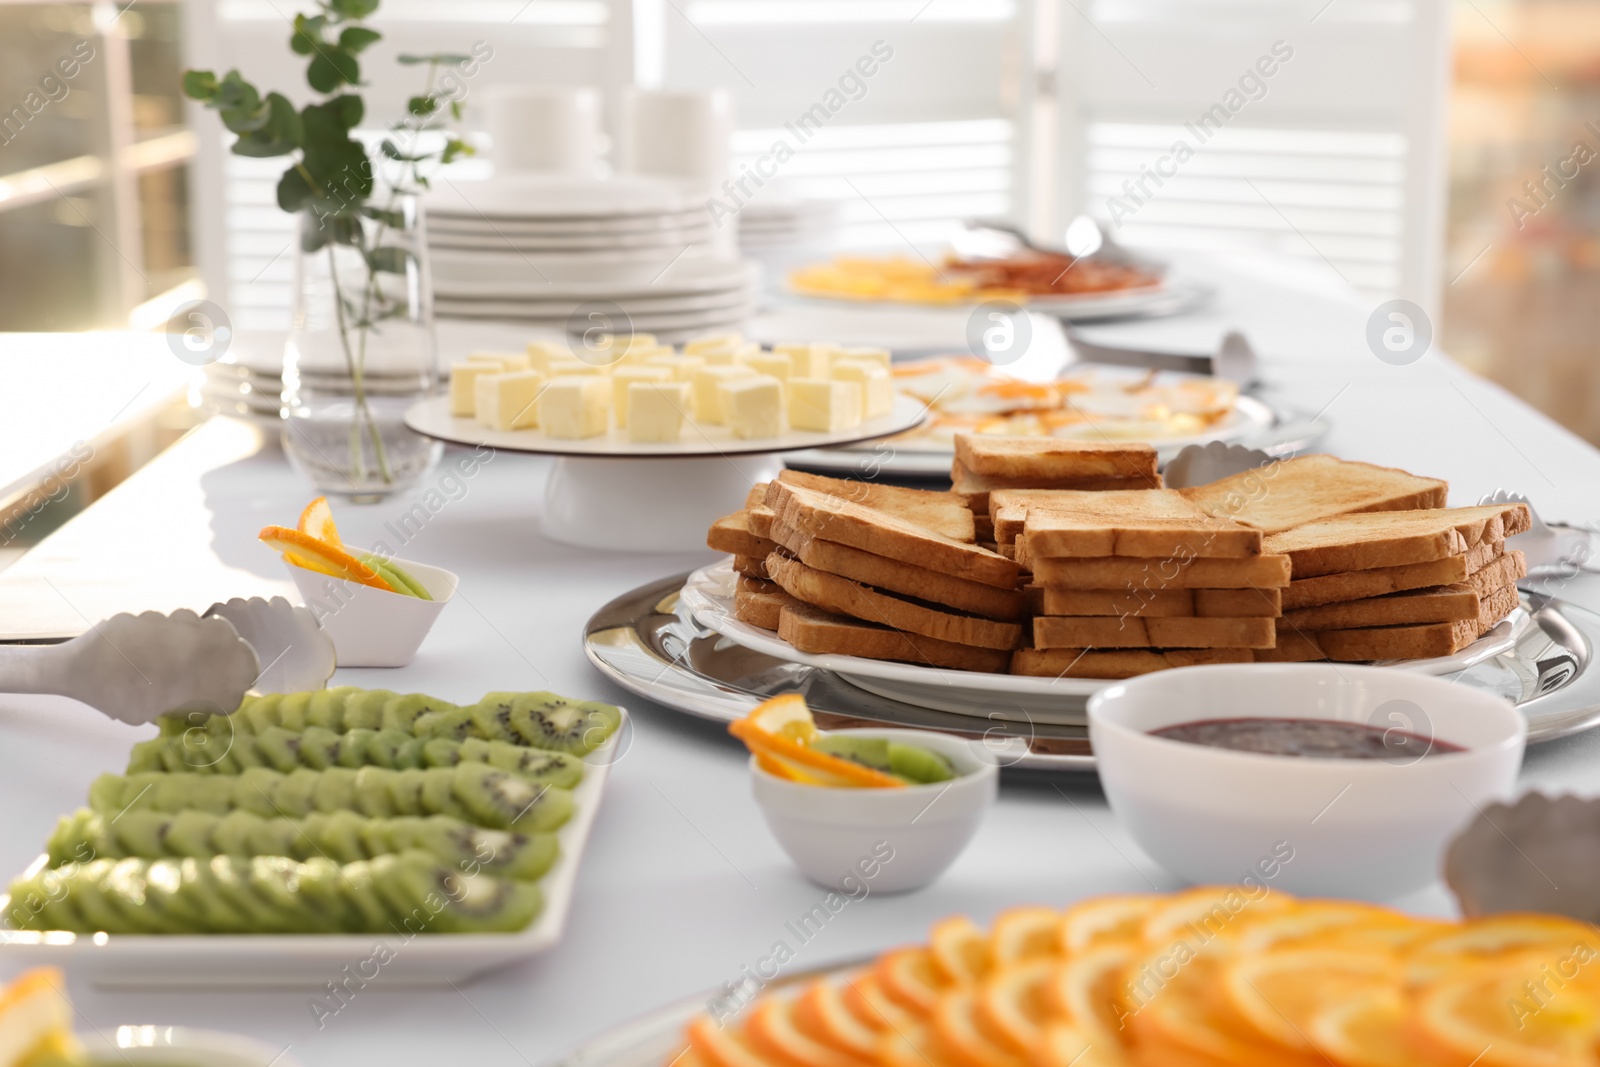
540	129
677	135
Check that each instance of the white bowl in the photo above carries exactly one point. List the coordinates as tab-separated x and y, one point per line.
861	841
373	627
1371	829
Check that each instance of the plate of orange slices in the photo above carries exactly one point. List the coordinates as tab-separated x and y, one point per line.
1222	975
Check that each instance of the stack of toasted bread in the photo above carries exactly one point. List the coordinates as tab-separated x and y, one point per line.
1069	558
877	571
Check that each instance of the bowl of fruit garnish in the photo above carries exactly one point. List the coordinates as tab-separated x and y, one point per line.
865	810
377	608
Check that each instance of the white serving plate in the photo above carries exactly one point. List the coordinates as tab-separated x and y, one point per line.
591	277
618	226
432	417
191	961
694	321
737	297
708	594
550	196
179	1046
1249	417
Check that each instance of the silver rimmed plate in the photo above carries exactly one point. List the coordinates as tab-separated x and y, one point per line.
648	642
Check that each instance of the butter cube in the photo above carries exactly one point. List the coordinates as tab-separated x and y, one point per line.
721	357
572	368
509	401
811	360
714	340
824	406
880	356
572	408
752	407
622	378
682	367
656	411
877	389
507	360
463	387
775	364
707	403
540	353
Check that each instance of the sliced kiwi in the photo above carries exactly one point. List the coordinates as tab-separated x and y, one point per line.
228	879
353	745
537	765
272	837
319	747
372	793
192	833
142	833
242	752
401	712
326	707
383	747
491	717
257	790
146	755
439	793
409	755
297	793
279	748
405	790
437	752
361	896
231	835
545	720
363	710
471	903
407	579
92	898
276	880
339	834
210	910
455	724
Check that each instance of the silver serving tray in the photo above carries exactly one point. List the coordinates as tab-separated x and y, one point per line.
646	643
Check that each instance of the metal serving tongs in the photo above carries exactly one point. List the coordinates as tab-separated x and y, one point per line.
1085	239
1553	549
135	667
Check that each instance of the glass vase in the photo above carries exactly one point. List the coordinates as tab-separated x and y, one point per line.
361	349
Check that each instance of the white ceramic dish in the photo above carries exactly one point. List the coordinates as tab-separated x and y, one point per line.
374	627
719	300
307	961
708	594
1371	829
905	837
540	196
179	1046
432	417
662	273
620	225
649	322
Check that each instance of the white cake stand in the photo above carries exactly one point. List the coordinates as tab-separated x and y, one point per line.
607	492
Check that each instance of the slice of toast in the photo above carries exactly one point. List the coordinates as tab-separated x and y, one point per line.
732	533
844	597
942	512
1394	538
751	567
1051	631
1441	603
979	489
1257	572
813	514
756	495
1292	492
810	629
1418	642
898	577
761	607
1036	458
1116	663
1164	603
1358	585
760	520
1150	523
1292	647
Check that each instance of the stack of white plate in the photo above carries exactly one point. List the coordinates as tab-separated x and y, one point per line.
545	250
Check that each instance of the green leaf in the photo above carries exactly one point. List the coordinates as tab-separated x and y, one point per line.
356	38
422	105
392	219
293	191
332	68
349	108
353	9
454	149
282	133
455	110
390	260
307	36
200	85
313	238
240	105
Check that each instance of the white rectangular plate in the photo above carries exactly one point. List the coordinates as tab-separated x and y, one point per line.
187	961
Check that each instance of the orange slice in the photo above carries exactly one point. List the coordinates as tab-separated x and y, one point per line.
1116	918
914	1045
960	950
1014	1004
785	716
1064	1045
724	1046
317	521
830	769
1204	913
1366	1030
1278	992
1328	924
771	1031
328	558
957	1023
909	978
1488	939
865	998
821	1012
1492	1013
1024	933
1088	991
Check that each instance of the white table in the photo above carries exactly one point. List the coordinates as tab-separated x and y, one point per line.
683	886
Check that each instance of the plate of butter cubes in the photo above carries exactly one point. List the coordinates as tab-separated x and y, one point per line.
628	395
306	834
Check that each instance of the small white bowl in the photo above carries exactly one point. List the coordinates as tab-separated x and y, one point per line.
1371	829
374	627
860	841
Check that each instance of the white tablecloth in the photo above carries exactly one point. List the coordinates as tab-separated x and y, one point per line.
683	886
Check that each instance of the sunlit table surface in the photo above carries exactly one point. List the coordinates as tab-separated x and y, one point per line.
682	886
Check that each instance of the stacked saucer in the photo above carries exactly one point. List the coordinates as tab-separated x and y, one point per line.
544	251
